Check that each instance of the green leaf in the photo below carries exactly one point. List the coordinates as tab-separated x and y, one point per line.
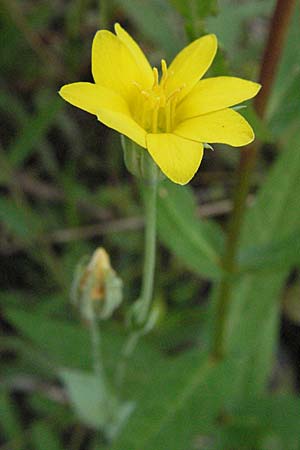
10	104
43	438
274	255
279	414
21	221
274	216
34	131
261	423
245	436
230	36
159	12
45	407
199	7
66	344
10	423
197	243
87	395
182	399
286	112
283	107
94	405
194	12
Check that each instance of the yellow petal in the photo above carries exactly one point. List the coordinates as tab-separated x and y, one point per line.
214	94
137	53
113	65
225	126
109	107
177	158
191	64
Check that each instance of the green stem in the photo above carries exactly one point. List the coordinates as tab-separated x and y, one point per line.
127	351
277	34
143	304
96	349
150	250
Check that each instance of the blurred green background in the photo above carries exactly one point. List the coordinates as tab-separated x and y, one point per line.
65	191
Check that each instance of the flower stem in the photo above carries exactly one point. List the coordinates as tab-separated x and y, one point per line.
150	248
143	304
127	351
277	34
96	349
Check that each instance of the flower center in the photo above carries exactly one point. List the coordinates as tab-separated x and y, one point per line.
155	107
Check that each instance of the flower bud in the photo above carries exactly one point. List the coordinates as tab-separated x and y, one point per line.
97	290
139	162
145	326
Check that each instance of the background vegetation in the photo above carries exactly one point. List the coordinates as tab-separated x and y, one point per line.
65	191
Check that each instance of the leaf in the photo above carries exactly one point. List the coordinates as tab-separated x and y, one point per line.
45	407
10	423
165	32
33	131
280	414
236	15
261	420
287	112
182	399
12	105
198	7
276	254
198	243
43	438
87	395
68	345
283	107
194	12
94	405
274	216
18	219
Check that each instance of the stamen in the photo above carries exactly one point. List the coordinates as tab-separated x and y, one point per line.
144	115
164	70
156	109
146	99
168	113
176	92
155	118
155	74
171	104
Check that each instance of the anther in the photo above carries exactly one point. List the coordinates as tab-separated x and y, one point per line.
155	74
164	70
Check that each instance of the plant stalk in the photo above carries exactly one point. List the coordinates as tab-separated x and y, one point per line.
142	306
96	349
273	50
150	250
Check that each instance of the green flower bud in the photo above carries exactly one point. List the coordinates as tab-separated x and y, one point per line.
96	290
139	162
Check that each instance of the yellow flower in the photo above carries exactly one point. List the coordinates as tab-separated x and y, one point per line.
171	117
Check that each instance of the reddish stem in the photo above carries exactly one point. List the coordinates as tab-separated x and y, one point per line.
273	50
